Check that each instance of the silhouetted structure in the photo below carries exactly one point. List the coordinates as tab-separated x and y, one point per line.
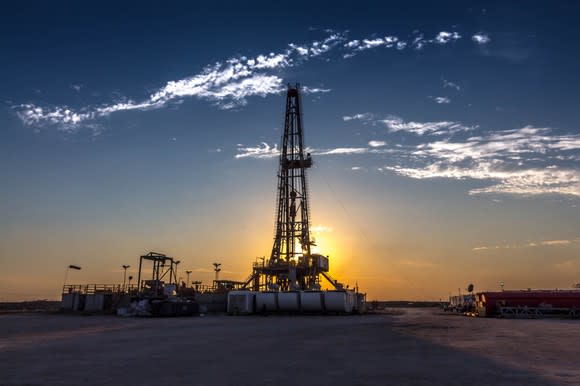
291	265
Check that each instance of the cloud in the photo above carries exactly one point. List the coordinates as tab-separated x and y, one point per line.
321	229
531	244
361	117
313	90
395	123
449	84
261	151
481	38
526	161
556	242
377	143
227	84
514	161
265	151
356	45
401	45
340	150
445	37
417	42
442	100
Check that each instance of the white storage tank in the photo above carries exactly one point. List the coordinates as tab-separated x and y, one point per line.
289	301
351	300
266	301
68	301
337	301
94	302
240	302
79	302
360	303
312	301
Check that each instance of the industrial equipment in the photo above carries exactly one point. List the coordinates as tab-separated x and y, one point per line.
289	280
291	265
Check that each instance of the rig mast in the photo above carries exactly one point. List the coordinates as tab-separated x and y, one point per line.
291	265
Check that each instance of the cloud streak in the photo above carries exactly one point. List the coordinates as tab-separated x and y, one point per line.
226	84
395	123
481	38
515	161
442	100
525	161
531	244
265	151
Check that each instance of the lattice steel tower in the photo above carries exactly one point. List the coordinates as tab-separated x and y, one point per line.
291	265
292	237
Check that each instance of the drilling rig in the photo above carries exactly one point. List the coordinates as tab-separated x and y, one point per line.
292	266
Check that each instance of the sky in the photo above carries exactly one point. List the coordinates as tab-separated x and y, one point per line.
444	135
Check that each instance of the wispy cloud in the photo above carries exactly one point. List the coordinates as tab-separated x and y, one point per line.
361	117
227	84
525	161
264	150
449	84
481	38
377	143
445	37
417	41
395	123
261	151
321	229
531	244
516	161
442	100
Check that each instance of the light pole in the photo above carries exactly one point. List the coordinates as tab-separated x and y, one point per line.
125	275
71	266
175	272
188	272
217	270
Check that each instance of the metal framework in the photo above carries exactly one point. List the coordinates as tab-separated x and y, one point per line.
291	265
164	267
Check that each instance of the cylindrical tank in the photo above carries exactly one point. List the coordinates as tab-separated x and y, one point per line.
289	301
266	301
337	301
240	302
312	301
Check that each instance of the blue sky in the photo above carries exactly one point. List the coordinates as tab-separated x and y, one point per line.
445	138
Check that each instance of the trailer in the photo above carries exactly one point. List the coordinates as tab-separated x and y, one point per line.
528	303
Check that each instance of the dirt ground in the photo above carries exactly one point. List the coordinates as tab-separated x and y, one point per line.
549	348
415	347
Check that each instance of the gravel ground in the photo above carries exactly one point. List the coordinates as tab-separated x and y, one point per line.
417	347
